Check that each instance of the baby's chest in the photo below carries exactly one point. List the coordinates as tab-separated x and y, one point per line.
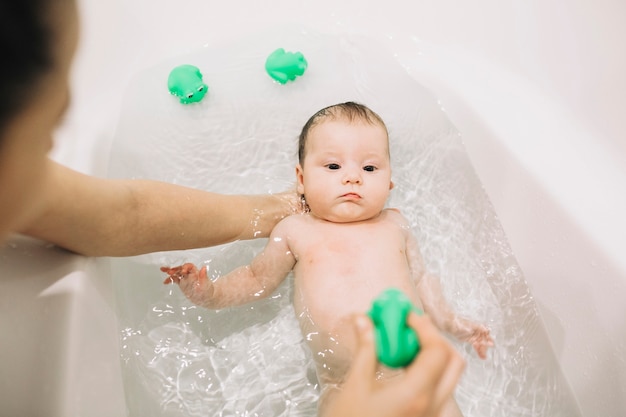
344	242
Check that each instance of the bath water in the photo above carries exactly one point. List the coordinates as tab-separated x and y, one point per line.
182	360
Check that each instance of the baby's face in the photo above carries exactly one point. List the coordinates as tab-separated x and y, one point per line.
346	173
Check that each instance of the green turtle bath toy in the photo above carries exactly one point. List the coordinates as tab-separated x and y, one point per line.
396	343
285	66
185	82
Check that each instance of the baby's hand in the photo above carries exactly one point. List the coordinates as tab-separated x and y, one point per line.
481	340
194	283
476	334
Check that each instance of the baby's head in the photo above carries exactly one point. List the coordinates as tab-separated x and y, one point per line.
344	168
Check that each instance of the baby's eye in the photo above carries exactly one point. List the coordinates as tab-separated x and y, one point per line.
333	166
369	168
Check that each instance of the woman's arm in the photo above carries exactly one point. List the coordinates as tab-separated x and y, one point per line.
105	217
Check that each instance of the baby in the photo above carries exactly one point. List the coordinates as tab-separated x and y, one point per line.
344	251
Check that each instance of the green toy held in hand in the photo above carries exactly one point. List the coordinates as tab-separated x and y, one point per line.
285	66
397	344
185	82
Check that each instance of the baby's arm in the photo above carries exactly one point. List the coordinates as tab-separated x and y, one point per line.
242	285
431	295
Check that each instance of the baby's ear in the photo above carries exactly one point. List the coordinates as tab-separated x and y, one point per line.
391	185
299	179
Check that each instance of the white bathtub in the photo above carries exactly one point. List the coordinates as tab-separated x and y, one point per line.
536	89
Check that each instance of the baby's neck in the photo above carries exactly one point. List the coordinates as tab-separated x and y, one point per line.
346	221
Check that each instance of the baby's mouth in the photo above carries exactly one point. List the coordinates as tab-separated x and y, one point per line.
351	196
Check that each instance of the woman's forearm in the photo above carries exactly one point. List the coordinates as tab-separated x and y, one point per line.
102	217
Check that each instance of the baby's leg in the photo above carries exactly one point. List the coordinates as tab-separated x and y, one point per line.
331	371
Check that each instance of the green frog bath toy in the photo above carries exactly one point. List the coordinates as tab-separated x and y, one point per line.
285	66
396	343
185	82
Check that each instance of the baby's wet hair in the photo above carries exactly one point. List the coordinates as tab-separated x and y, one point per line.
349	111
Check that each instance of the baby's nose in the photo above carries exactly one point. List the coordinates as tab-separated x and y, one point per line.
352	177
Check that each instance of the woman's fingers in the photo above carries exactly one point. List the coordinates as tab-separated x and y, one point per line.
364	365
437	368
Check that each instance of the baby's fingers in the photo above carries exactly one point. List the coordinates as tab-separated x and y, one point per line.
172	279
191	279
169	270
174	274
203	278
481	350
482	345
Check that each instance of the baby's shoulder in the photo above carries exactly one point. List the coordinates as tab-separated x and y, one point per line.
396	221
292	222
395	215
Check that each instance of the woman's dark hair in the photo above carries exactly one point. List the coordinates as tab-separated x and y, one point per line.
26	40
349	110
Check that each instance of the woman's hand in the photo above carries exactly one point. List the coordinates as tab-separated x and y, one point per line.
422	390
